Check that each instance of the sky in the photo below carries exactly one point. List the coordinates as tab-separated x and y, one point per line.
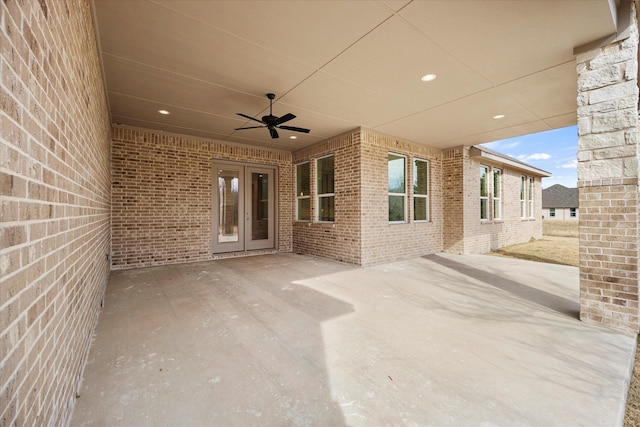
554	151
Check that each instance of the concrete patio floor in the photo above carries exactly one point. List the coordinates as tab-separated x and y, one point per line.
285	339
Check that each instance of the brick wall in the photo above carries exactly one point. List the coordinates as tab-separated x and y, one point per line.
54	205
454	165
385	242
483	236
608	182
361	233
464	231
340	240
163	196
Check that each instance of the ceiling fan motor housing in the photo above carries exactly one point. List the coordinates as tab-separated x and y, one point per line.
273	122
270	119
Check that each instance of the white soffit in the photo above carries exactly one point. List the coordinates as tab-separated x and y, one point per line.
338	65
504	40
477	152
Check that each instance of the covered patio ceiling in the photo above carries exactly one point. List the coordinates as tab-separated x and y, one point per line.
337	65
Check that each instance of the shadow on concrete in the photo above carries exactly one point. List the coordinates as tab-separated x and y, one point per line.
528	293
228	343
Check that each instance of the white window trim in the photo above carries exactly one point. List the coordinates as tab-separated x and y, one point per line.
487	197
523	197
323	195
405	220
493	196
490	197
421	196
298	197
530	193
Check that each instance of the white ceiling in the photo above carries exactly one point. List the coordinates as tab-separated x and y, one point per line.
337	65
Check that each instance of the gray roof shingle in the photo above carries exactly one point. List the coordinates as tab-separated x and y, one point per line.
559	196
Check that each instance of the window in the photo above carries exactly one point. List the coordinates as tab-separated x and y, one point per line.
490	193
523	190
552	212
530	195
572	212
484	192
303	190
397	188
326	196
497	194
420	190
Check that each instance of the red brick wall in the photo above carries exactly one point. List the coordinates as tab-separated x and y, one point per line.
54	205
163	196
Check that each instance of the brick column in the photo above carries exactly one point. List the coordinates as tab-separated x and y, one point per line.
453	169
608	182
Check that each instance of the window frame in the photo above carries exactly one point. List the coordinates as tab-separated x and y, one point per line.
300	197
486	197
491	201
404	195
319	195
530	193
552	212
496	201
425	196
523	197
573	212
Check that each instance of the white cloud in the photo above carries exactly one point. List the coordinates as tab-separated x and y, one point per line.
492	145
511	144
572	164
501	145
534	156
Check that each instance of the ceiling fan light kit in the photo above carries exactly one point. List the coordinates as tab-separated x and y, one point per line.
272	122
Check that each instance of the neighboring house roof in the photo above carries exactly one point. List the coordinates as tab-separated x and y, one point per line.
559	196
485	153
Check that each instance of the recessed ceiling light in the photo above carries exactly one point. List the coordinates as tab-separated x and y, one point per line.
165	112
499	116
428	77
293	137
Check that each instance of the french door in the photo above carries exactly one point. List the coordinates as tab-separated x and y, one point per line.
243	207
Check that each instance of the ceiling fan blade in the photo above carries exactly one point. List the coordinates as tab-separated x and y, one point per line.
295	129
250	127
284	119
251	118
274	133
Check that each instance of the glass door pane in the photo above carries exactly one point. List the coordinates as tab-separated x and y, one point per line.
228	208
260	208
228	216
243	207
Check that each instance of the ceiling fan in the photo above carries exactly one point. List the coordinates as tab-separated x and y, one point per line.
272	122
